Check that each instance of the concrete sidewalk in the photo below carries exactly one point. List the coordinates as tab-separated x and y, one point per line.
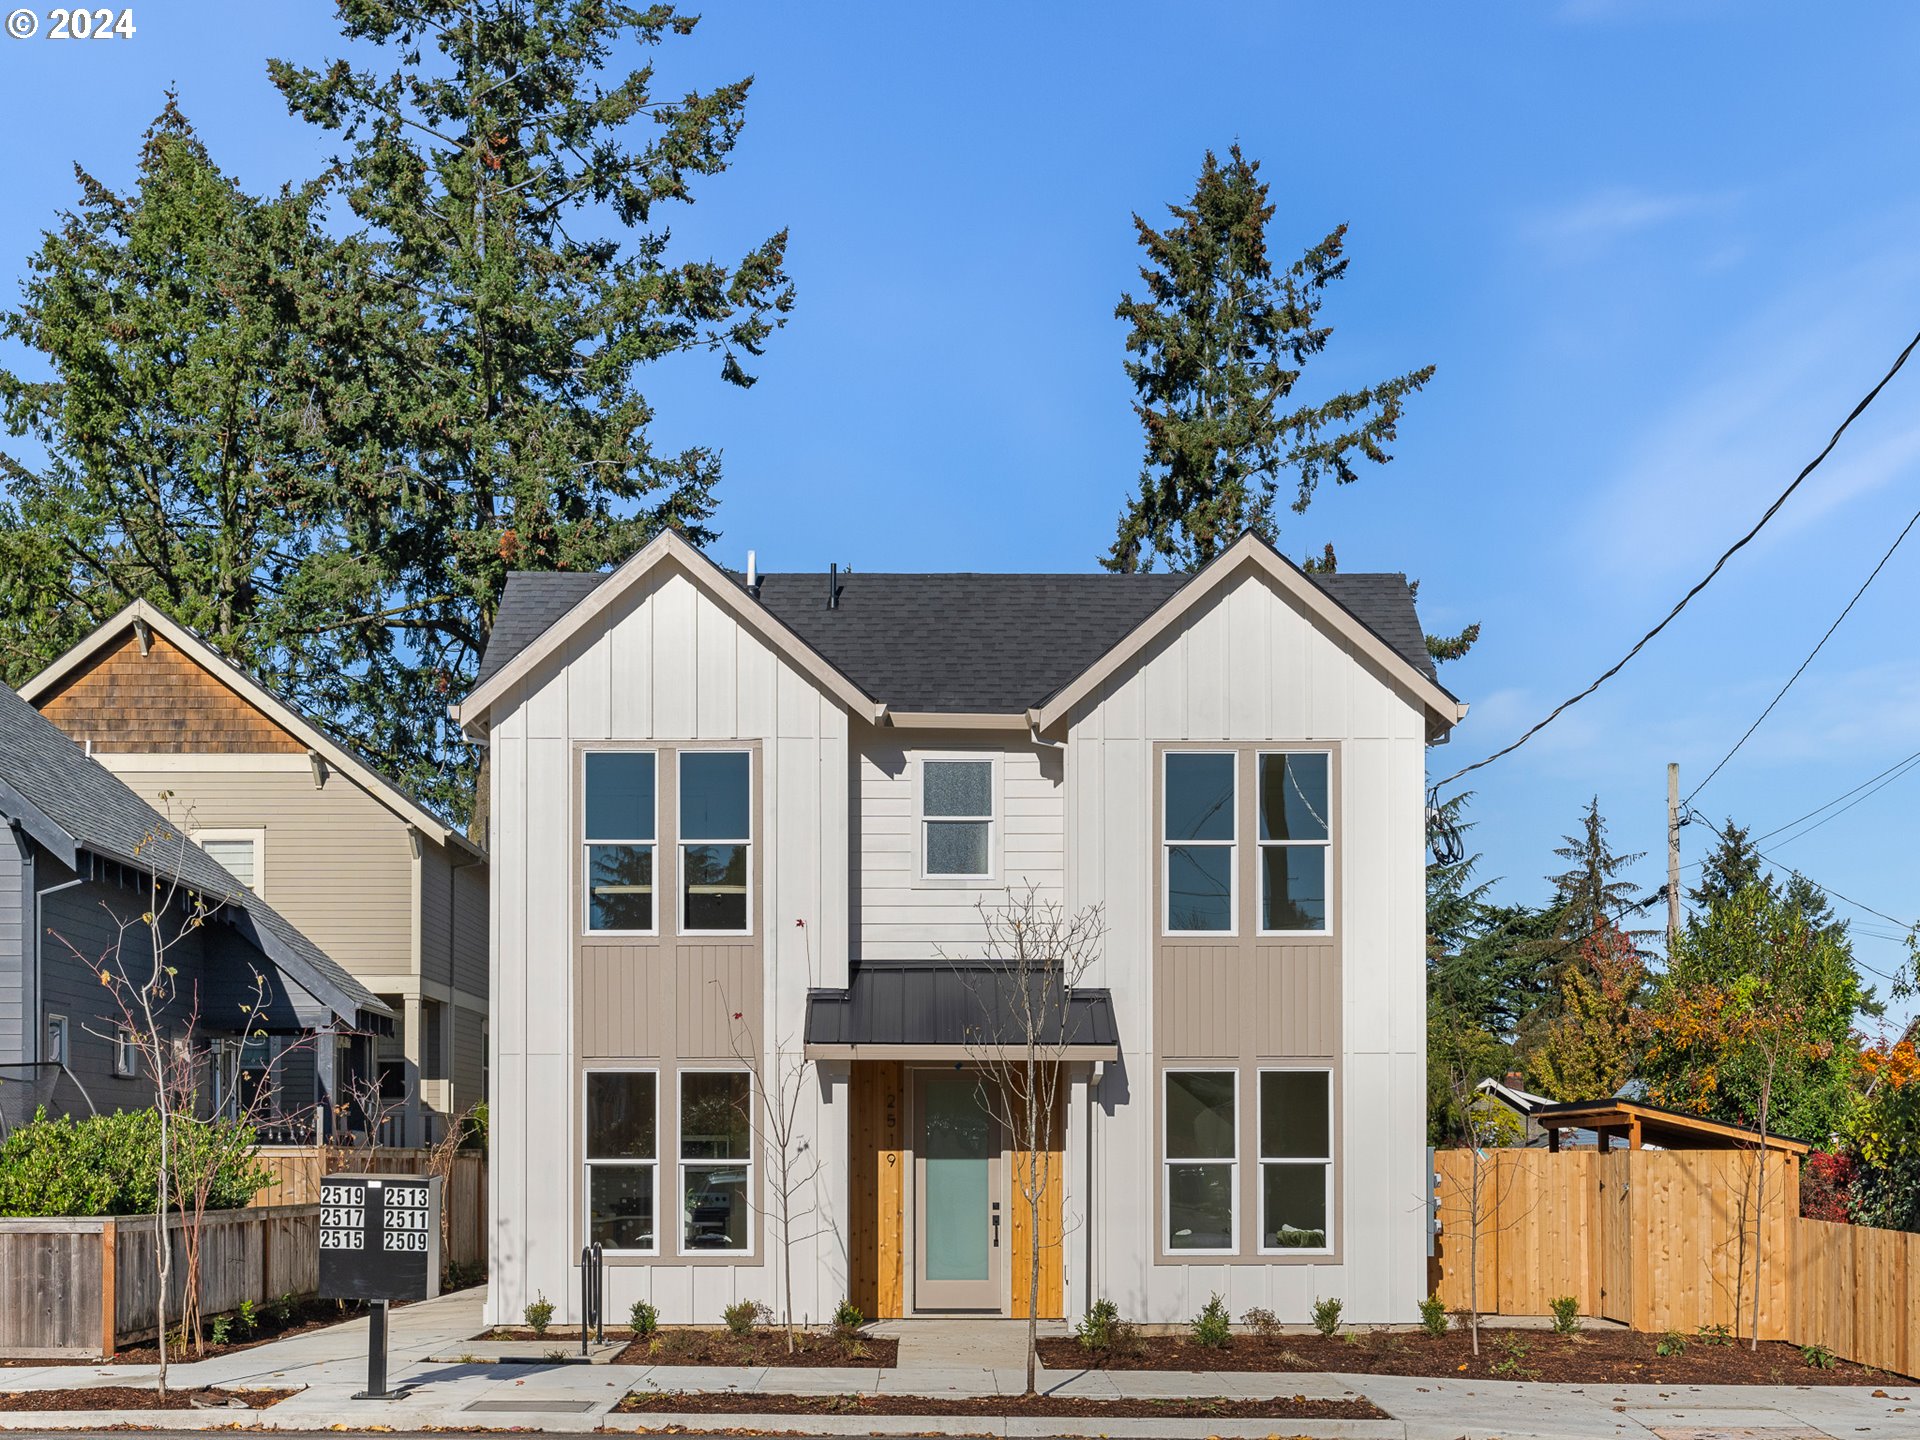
442	1391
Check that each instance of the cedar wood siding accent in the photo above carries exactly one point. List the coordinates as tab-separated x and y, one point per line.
667	666
1251	667
123	701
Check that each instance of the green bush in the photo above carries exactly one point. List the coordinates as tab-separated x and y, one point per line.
646	1319
1566	1314
1326	1316
1213	1326
743	1315
473	1129
1670	1344
1433	1316
1262	1322
847	1317
1818	1356
105	1164
539	1315
1101	1331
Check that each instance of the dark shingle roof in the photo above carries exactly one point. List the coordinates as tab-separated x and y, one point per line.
926	1003
97	811
959	642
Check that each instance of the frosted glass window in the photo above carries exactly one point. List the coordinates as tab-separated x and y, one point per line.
956	809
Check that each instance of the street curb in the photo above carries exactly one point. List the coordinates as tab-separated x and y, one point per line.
1012	1427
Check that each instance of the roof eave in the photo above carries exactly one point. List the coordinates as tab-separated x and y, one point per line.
40	827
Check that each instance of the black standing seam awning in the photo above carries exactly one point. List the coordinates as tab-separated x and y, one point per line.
936	1010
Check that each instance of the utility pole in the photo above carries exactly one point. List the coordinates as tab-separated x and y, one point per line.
1673	855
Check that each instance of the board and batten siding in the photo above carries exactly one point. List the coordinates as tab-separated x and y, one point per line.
16	909
668	664
1250	666
903	915
336	862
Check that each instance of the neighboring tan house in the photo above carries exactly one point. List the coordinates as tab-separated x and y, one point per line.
771	805
82	860
383	885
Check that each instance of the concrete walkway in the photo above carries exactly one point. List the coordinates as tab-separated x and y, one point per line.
943	1358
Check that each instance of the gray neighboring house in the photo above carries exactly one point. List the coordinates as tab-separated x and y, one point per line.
82	859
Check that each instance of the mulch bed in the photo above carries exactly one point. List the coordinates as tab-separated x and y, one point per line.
670	1402
1596	1357
132	1397
691	1345
302	1316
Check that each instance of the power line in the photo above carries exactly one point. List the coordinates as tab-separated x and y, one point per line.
1835	801
1718	566
1848	806
1809	660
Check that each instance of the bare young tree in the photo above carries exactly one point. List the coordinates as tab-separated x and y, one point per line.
1484	1125
1034	954
780	1085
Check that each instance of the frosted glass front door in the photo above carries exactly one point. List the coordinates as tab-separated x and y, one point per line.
958	1175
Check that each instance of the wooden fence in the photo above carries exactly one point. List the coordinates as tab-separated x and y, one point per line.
81	1288
1662	1240
297	1171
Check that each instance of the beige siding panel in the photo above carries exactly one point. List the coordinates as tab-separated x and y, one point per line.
716	982
1296	992
1197	1002
336	863
626	999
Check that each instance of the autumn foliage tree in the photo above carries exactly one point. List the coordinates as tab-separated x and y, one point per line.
1591	1046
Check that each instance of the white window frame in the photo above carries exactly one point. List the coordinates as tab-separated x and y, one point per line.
126	1055
63	1048
1167	1163
588	1163
586	846
681	1165
1261	1161
1231	846
258	838
921	820
1262	846
681	843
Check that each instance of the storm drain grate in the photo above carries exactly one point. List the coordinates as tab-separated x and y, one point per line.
532	1407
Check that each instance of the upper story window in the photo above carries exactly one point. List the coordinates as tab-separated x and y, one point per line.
716	841
620	823
956	818
238	853
1199	840
1296	841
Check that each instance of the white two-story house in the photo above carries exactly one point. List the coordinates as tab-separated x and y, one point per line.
729	806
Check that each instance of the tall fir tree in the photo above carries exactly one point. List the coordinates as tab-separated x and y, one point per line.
1733	864
1592	896
514	186
218	373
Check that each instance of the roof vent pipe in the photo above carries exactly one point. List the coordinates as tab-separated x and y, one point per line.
753	576
833	586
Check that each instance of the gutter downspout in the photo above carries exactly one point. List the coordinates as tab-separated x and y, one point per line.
39	943
1093	1188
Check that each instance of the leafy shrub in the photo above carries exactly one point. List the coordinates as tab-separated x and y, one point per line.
220	1329
645	1318
246	1317
539	1315
743	1315
473	1129
1213	1326
106	1164
1670	1344
1262	1322
1566	1314
1515	1351
1433	1316
1818	1356
1326	1316
1101	1331
282	1309
847	1317
1715	1335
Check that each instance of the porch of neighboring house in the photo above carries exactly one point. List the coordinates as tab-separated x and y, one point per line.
1637	1126
938	1223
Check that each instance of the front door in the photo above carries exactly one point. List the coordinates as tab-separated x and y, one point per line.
957	1189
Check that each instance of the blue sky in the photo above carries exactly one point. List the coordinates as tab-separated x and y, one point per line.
1655	249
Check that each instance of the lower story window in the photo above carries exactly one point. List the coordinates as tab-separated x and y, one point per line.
622	1159
716	1161
1296	1160
1201	1146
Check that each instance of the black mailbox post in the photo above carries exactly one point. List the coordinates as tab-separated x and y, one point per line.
379	1242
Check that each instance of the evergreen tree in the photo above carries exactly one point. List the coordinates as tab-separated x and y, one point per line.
1591	896
481	163
219	370
1733	864
1217	345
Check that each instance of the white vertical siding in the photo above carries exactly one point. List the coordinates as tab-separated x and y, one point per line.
670	664
1251	666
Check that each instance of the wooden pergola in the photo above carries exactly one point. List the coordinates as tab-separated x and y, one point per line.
1639	1125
